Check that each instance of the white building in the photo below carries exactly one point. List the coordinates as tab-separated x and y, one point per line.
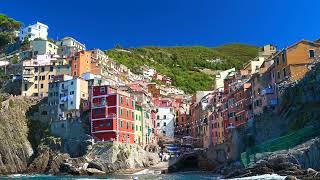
219	80
67	97
71	42
34	31
165	121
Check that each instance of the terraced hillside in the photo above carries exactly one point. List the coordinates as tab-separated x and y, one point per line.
186	65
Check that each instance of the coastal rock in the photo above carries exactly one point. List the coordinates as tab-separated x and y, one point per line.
311	172
94	172
67	168
290	178
15	148
110	157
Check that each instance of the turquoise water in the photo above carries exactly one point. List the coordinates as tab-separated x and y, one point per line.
180	176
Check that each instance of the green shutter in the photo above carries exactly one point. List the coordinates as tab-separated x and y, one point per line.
121	125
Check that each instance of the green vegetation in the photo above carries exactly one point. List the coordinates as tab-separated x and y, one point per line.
182	64
282	143
8	26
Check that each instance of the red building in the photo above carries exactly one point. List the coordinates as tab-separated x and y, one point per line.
112	115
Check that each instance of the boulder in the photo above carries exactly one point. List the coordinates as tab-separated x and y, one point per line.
96	165
67	168
290	178
311	172
95	172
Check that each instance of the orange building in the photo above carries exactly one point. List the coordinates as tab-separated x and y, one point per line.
292	63
83	62
154	90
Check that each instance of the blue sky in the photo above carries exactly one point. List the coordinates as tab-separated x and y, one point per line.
134	23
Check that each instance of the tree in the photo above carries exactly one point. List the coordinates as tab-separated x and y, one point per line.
8	28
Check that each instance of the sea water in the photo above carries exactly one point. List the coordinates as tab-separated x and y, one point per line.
176	176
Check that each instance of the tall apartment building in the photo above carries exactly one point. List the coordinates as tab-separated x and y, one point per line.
66	96
112	115
165	117
83	62
37	73
38	30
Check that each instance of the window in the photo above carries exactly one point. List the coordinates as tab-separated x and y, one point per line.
74	73
25	87
132	103
278	75
127	101
102	90
158	124
108	124
132	115
283	57
158	117
127	125
164	124
121	99
136	127
36	78
41	86
311	53
121	125
71	102
36	69
127	113
164	117
132	127
42	69
140	128
35	86
284	72
121	112
43	77
51	68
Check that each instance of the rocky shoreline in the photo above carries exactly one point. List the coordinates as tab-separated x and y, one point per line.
302	161
102	159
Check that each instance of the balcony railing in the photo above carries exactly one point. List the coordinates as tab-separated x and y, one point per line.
28	74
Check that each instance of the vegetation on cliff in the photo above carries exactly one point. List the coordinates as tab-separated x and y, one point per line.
8	27
184	64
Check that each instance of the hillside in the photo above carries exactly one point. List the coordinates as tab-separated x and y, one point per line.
183	64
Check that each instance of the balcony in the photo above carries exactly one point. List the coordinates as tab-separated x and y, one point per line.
28	73
267	91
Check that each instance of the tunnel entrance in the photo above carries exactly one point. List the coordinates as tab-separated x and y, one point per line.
190	162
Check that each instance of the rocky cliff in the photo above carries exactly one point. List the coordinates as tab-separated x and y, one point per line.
15	148
26	146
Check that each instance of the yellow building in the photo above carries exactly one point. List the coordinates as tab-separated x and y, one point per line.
37	73
138	124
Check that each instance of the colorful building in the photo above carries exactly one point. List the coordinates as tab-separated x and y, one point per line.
83	62
138	124
37	73
112	115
